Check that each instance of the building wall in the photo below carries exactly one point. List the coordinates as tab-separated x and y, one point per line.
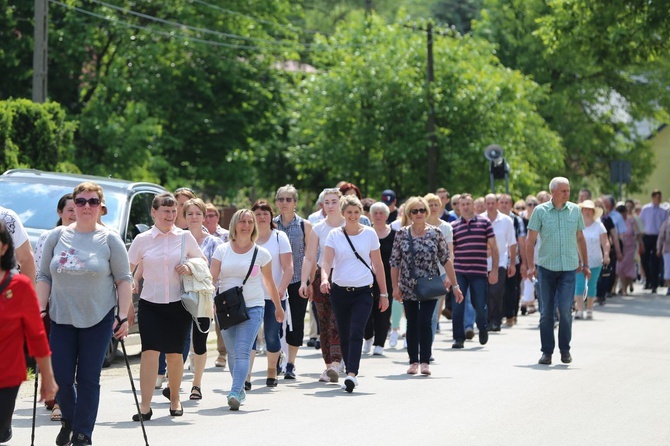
660	178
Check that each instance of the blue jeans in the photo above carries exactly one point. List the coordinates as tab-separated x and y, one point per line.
272	328
352	310
419	329
478	288
557	290
77	356
239	339
469	318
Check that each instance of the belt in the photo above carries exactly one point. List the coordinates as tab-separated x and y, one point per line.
354	289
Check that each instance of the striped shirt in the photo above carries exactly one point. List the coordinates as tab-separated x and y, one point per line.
558	229
470	245
295	231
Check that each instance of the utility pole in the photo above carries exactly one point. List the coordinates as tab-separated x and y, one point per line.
432	145
40	50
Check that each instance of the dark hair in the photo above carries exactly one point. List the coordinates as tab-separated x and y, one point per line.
621	209
7	262
164	199
655	193
348	186
61	205
265	206
367	202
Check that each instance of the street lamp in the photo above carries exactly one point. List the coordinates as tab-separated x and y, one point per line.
498	167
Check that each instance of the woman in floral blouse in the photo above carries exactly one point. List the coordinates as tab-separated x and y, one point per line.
430	249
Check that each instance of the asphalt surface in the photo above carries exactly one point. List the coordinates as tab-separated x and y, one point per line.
616	392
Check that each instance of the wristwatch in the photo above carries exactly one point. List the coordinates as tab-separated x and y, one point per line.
456	287
384	295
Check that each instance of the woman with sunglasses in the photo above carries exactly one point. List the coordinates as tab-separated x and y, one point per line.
428	249
163	322
298	231
84	275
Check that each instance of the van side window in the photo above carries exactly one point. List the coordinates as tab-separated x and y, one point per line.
140	215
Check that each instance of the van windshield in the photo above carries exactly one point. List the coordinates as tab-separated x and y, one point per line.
36	203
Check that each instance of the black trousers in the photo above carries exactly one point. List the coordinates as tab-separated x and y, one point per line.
512	294
650	262
495	298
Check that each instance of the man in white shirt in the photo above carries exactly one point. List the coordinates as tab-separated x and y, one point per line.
503	228
22	249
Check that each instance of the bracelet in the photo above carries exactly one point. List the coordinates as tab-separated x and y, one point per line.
455	287
384	295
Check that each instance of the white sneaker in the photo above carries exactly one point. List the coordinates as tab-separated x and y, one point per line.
324	378
379	350
589	314
404	344
579	314
393	340
367	346
340	369
160	379
350	382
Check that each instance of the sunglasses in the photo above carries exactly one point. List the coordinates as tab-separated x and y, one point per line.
285	199
184	189
416	211
81	202
519	208
530	205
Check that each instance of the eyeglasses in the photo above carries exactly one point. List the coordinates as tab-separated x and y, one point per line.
81	202
530	205
285	199
416	211
519	208
184	189
211	216
331	190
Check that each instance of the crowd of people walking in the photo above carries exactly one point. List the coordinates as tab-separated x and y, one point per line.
480	261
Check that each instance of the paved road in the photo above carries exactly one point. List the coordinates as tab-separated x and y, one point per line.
616	392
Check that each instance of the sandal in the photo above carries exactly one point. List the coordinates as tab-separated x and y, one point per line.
56	414
196	394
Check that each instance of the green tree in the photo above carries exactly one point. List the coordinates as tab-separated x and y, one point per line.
363	116
35	135
602	64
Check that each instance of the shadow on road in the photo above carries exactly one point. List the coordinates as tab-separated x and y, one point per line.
653	305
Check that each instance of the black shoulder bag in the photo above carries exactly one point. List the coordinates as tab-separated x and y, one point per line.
375	286
230	306
425	288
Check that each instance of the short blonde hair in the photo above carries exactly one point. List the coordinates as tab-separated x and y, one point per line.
237	216
197	202
409	204
88	186
430	197
350	200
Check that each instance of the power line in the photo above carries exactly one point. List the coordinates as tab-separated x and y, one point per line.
193	28
290	27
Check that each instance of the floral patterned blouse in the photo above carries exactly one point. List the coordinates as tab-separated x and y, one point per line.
430	250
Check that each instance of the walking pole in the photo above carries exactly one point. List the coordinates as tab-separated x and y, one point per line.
132	385
32	433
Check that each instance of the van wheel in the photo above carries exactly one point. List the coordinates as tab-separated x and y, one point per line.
110	354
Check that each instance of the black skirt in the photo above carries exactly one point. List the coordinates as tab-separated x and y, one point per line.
163	327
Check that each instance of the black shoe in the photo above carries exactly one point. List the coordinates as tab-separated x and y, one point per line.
311	342
6	435
457	344
290	371
654	290
483	336
166	392
145	416
523	310
177	412
80	440
317	344
494	327
566	358
247	385
63	437
271	382
545	359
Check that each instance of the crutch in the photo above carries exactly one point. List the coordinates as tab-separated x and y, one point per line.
132	385
32	432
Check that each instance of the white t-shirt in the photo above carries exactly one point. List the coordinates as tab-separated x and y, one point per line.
592	235
277	244
347	269
234	269
14	226
321	230
448	232
503	228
